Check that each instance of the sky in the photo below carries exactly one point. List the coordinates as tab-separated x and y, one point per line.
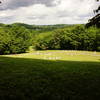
45	12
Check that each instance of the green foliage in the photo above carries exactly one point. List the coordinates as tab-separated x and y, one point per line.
71	38
14	40
95	21
17	37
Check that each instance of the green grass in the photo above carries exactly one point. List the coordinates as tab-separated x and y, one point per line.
60	55
50	75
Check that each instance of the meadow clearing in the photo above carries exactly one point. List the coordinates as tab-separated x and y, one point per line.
50	75
66	55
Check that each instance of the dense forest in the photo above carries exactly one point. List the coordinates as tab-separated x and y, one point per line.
18	37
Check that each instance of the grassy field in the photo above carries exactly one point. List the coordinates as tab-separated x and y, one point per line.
50	75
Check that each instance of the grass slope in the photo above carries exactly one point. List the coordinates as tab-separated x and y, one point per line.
30	77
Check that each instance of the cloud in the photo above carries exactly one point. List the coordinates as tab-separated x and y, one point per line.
14	4
53	12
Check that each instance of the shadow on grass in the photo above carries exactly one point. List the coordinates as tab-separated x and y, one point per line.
33	79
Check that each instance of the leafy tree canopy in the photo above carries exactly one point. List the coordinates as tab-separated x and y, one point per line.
95	21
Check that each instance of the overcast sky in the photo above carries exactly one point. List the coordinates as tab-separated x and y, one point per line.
46	11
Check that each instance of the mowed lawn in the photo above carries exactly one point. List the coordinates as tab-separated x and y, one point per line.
50	75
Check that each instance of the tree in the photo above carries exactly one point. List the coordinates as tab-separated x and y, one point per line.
14	40
95	21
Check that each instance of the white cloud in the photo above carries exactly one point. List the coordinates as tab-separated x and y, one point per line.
65	12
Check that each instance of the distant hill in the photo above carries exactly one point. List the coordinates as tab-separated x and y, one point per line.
37	27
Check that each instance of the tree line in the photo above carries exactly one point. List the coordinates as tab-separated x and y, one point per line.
72	38
17	38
